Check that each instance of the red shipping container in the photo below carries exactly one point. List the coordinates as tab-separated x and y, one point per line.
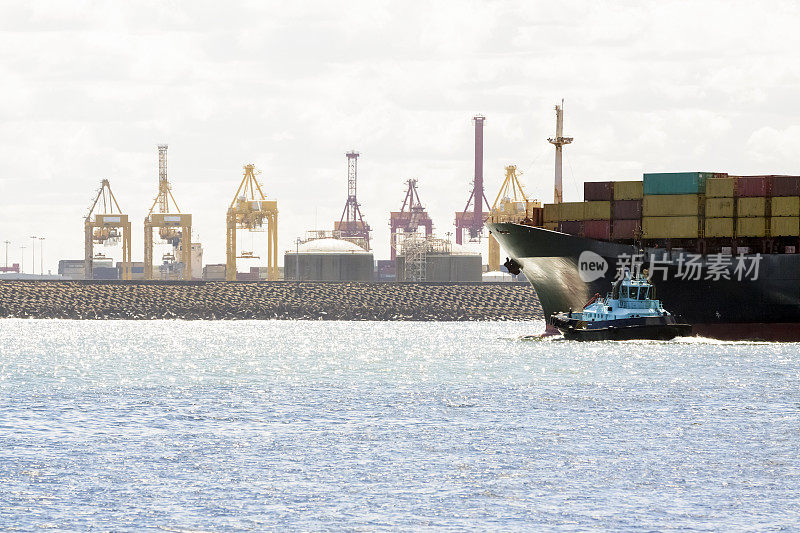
626	229
598	191
597	229
786	186
573	227
537	216
626	209
753	186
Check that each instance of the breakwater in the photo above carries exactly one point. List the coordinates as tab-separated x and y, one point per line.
149	300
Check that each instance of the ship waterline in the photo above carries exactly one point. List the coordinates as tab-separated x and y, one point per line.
747	297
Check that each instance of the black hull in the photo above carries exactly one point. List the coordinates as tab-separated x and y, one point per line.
766	308
655	333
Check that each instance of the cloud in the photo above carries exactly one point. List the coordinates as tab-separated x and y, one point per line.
90	89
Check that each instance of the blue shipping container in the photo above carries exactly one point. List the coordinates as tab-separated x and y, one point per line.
676	182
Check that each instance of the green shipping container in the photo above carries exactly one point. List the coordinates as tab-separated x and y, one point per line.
597	210
719	227
671	205
785	206
720	187
676	183
628	190
784	226
755	206
670	227
719	207
550	213
751	227
571	211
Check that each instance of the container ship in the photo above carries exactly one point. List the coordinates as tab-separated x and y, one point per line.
721	250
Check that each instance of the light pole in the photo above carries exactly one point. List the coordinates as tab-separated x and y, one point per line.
7	243
22	259
33	254
41	256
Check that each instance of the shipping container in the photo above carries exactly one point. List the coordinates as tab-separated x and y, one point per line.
598	190
626	229
751	227
553	226
785	226
571	211
749	186
719	227
597	210
535	216
785	206
572	227
550	212
720	187
626	209
597	229
676	183
671	205
670	227
755	206
786	186
719	207
627	190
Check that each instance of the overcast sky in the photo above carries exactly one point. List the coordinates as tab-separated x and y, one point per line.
90	88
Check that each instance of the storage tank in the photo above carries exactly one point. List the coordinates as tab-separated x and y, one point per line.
328	260
432	259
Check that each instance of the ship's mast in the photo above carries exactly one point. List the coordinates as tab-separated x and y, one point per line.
559	141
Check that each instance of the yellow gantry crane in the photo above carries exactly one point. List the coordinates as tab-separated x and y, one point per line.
250	210
104	228
173	226
511	205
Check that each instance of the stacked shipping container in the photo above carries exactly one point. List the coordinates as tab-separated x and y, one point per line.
683	205
785	206
673	204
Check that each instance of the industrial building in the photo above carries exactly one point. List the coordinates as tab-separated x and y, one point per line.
328	260
432	259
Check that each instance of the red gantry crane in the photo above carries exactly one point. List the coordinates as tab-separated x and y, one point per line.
410	218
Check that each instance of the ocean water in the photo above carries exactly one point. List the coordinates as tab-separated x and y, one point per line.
187	426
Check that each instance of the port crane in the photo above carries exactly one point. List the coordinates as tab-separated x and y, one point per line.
510	205
173	226
351	226
108	228
251	211
409	219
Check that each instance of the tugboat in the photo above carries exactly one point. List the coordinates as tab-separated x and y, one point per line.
630	311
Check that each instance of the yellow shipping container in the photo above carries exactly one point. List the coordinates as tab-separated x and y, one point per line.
751	207
785	206
627	190
671	205
551	226
597	210
785	226
719	227
670	227
720	187
751	227
550	213
571	211
719	207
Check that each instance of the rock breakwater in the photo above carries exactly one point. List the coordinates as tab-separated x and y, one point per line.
267	300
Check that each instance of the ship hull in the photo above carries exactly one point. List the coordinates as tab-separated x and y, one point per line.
764	305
